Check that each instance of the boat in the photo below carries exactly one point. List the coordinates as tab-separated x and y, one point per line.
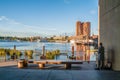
42	40
85	42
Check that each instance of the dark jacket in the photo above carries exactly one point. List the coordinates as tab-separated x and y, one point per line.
101	53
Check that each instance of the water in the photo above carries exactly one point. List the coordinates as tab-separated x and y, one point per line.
48	46
35	45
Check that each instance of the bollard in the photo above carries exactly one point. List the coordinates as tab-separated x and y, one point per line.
21	64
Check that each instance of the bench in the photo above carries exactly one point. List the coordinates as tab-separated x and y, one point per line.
70	62
67	63
41	63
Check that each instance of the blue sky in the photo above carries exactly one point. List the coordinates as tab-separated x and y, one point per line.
46	17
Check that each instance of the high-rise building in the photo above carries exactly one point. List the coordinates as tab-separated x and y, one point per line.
86	29
78	28
83	29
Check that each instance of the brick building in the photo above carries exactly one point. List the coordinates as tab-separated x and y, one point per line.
82	29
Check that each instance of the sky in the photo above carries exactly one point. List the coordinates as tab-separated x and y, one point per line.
46	17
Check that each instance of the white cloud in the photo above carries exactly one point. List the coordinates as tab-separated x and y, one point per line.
14	22
93	12
3	18
10	21
10	25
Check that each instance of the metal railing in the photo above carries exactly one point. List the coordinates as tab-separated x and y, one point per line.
80	55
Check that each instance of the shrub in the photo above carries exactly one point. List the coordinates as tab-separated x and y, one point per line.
29	54
10	52
52	54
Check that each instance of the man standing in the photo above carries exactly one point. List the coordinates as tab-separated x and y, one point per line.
101	57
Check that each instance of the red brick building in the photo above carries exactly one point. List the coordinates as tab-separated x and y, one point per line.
83	29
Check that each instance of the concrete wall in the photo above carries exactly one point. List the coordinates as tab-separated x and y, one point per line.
109	27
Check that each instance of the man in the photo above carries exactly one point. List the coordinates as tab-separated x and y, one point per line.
101	57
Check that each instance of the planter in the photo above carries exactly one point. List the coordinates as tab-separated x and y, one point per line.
22	63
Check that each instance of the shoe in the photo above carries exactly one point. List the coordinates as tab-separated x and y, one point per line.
97	69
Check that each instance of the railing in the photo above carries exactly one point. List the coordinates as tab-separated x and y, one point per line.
2	58
80	55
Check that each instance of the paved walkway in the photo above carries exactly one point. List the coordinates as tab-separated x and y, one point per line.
8	63
56	73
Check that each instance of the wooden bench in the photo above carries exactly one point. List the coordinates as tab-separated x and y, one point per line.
70	62
67	63
40	63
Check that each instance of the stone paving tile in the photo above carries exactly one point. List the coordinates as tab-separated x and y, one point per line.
60	75
24	74
83	72
28	74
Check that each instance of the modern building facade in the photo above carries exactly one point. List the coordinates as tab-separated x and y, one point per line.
109	30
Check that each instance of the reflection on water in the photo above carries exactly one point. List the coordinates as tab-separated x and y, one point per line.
83	52
61	57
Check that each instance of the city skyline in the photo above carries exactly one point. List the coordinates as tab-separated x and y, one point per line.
46	17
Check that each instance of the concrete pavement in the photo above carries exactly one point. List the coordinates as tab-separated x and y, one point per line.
57	72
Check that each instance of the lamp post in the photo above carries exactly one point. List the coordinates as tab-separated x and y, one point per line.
43	53
72	51
14	54
43	50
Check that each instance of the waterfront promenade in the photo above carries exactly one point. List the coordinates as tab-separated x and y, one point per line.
85	71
